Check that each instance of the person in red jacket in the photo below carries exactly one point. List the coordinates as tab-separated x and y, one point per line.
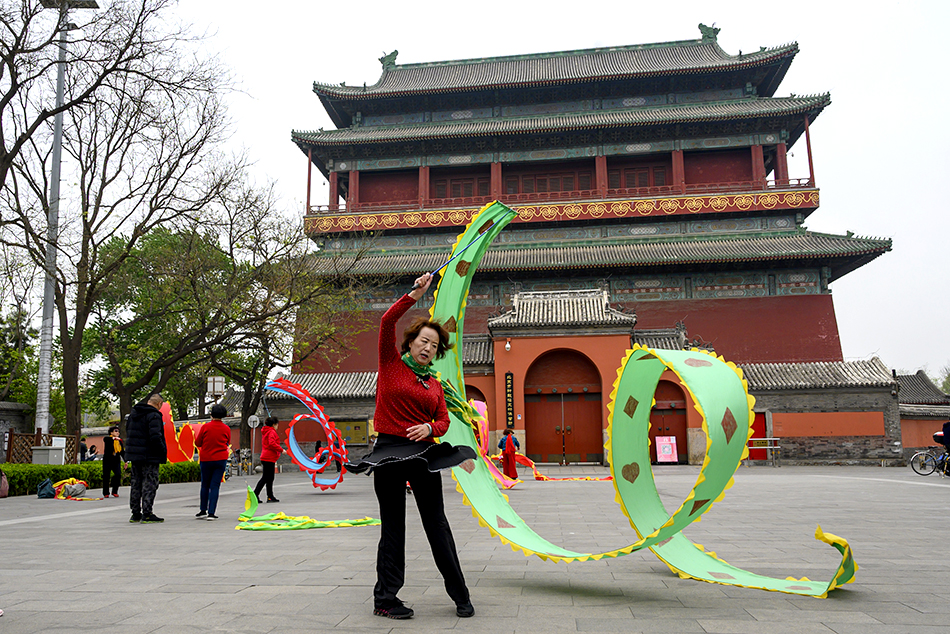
410	414
270	452
509	446
212	441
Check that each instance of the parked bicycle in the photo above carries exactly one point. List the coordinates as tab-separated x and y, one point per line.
926	462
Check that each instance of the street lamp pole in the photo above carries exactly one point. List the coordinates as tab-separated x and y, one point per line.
52	218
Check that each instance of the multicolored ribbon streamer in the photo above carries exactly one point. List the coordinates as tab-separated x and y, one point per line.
335	451
280	522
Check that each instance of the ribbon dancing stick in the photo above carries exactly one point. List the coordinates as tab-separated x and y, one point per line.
483	231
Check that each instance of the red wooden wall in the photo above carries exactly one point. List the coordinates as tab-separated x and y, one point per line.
723	166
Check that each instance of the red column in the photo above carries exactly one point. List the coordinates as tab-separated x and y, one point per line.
353	201
423	186
811	166
496	184
309	172
781	164
600	175
334	202
758	165
679	171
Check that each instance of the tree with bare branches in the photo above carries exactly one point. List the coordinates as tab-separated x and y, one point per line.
106	46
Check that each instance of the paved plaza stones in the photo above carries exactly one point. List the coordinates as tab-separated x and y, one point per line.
80	566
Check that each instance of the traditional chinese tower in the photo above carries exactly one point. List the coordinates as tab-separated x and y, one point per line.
648	179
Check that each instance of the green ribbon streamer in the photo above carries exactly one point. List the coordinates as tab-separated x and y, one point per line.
719	394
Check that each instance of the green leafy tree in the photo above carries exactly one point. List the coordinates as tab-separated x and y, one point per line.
232	283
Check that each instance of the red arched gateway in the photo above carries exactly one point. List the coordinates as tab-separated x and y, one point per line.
563	409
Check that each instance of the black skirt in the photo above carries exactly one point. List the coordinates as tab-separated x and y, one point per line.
390	449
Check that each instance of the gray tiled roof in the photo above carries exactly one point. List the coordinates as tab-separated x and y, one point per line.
803	376
362	385
918	389
661	338
797	245
478	350
925	411
561	67
689	113
332	385
233	400
562	308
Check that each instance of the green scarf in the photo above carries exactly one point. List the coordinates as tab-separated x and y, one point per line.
454	402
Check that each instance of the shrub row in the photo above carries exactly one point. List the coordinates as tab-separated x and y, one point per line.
25	478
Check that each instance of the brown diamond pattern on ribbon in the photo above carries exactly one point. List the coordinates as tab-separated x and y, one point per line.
720	575
451	325
698	504
662	543
630	407
698	363
729	424
468	466
647	357
485	227
462	268
502	523
630	472
798	587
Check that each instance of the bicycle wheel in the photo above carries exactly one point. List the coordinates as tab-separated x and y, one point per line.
923	463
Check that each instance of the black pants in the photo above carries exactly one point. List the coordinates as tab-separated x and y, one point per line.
212	471
111	474
390	484
267	479
144	487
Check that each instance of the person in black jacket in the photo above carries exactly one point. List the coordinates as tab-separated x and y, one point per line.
145	448
113	455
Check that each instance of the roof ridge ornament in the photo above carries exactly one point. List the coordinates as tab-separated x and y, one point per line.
388	60
709	32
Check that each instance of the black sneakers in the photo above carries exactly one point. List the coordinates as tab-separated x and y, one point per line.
395	612
211	518
136	518
151	518
465	610
201	515
273	500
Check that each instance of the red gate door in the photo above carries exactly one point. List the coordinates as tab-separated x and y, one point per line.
583	431
544	440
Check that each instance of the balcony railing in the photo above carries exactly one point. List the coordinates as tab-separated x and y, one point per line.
561	197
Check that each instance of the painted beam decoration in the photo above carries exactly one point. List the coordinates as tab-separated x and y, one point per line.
366	220
335	451
721	397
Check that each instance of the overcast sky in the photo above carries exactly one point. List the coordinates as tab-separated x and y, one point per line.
880	149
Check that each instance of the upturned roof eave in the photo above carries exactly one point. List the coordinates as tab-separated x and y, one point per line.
841	262
812	105
782	55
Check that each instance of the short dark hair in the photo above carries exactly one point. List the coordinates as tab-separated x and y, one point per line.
409	335
218	411
270	421
113	428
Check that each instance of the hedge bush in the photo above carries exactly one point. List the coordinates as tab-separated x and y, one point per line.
25	478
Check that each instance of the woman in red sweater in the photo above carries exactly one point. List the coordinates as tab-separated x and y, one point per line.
410	414
212	441
270	452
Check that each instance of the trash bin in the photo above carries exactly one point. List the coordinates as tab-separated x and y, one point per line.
49	455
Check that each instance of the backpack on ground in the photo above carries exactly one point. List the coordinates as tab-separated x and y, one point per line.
45	489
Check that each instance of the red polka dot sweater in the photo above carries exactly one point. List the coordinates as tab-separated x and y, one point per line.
402	400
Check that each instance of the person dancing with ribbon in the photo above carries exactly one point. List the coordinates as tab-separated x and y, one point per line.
410	413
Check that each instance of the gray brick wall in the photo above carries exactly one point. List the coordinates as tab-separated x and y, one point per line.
838	449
